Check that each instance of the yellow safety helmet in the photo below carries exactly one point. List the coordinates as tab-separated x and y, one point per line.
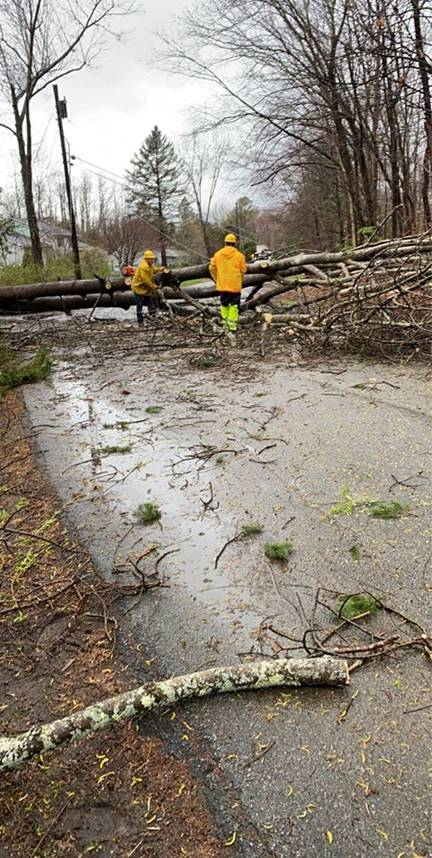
230	238
149	255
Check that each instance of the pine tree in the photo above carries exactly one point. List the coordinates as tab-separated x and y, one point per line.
154	181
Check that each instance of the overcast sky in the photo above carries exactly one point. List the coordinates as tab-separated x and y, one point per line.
113	107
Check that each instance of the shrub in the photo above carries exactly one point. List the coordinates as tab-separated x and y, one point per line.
55	268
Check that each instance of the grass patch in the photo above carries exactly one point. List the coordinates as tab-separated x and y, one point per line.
386	509
251	529
148	513
357	605
355	552
279	551
15	374
57	268
194	282
154	409
116	448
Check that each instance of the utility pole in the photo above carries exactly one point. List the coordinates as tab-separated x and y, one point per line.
237	214
62	114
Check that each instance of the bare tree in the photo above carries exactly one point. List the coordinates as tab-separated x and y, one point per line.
41	41
125	237
333	85
203	164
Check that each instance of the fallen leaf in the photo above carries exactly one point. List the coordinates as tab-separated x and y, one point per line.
382	834
329	837
231	840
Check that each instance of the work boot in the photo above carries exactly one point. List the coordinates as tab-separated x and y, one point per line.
231	339
140	323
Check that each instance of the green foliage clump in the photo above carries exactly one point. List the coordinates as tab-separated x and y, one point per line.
251	529
375	508
154	409
148	513
279	551
346	506
386	509
357	605
15	374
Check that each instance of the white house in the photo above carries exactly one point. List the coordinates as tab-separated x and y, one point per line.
55	241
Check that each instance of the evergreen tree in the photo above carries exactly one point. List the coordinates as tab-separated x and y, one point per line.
154	180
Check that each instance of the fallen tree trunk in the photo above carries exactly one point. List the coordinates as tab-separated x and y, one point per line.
11	297
83	288
16	750
122	301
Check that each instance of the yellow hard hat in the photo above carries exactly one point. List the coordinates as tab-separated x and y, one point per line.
149	255
230	238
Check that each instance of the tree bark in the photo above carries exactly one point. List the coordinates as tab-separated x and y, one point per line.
24	141
326	670
424	70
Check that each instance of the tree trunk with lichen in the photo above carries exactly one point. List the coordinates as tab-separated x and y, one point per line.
16	750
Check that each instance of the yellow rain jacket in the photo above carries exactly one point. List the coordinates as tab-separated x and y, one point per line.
227	268
143	280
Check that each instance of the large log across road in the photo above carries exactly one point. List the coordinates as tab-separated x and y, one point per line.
65	288
327	267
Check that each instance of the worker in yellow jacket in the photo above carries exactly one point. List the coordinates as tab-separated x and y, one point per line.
227	268
144	286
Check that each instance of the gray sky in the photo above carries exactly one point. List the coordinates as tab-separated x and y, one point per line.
113	107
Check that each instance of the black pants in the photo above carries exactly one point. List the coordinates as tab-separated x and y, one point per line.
145	301
229	298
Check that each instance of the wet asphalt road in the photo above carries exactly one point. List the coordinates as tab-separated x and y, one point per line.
275	445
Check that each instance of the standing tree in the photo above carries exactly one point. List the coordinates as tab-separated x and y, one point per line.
125	237
154	181
42	41
203	165
242	221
